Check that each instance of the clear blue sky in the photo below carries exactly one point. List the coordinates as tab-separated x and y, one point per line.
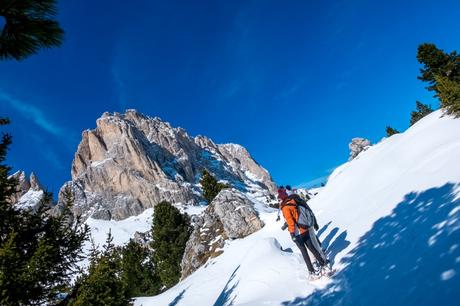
292	81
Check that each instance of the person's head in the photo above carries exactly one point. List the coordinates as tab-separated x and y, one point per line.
288	187
282	195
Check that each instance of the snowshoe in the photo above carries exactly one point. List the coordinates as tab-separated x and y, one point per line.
314	275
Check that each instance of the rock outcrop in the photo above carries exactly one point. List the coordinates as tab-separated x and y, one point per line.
230	215
358	145
29	191
130	162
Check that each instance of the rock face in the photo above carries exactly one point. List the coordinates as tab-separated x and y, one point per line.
230	215
130	162
29	192
357	145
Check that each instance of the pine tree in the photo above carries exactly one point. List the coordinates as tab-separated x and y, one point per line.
391	131
103	284
170	232
211	187
421	111
437	63
137	270
29	25
38	251
449	94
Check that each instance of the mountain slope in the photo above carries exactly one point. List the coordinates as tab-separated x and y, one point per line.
390	223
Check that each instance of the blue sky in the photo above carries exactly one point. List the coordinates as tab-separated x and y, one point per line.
292	81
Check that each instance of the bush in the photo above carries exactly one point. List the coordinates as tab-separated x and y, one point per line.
170	232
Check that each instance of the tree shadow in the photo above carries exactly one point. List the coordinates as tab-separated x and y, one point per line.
339	244
224	299
410	257
323	228
325	243
177	298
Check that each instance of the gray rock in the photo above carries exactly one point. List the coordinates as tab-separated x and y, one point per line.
230	215
358	145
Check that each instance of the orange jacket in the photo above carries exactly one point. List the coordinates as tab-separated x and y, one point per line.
289	209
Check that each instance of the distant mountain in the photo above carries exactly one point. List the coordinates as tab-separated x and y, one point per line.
29	192
130	162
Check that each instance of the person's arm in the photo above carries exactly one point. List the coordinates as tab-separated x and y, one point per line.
287	213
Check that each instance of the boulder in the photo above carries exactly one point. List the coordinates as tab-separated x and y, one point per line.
358	145
230	215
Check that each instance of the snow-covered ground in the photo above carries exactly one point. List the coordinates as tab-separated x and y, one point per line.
390	223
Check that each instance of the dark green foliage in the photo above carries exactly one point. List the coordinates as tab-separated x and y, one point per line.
442	72
170	232
29	26
391	131
422	111
137	270
38	252
449	94
103	285
211	187
437	63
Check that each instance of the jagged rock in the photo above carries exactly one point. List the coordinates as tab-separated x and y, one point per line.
29	192
357	145
130	162
230	215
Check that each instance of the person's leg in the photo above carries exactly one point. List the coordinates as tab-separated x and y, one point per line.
301	245
314	247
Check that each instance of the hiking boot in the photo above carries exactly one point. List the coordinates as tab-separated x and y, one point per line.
316	266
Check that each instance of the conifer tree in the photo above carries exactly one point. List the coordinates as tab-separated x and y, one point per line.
437	63
38	251
391	131
449	94
421	111
28	25
170	232
211	187
137	270
103	284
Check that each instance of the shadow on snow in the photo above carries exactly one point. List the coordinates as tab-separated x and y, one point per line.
224	298
410	257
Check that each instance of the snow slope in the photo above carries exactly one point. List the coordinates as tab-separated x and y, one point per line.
390	223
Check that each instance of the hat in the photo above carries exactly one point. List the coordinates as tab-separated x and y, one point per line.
282	194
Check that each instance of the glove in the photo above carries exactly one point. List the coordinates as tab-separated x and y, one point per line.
278	218
316	226
284	226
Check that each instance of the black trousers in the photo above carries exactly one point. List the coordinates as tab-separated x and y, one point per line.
310	241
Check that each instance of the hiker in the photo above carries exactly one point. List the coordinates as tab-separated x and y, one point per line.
301	223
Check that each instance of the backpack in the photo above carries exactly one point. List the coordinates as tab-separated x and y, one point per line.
306	216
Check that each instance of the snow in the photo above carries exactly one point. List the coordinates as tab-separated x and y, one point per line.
390	222
122	230
31	199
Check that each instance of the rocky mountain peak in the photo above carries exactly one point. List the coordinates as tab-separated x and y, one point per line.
29	191
131	161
